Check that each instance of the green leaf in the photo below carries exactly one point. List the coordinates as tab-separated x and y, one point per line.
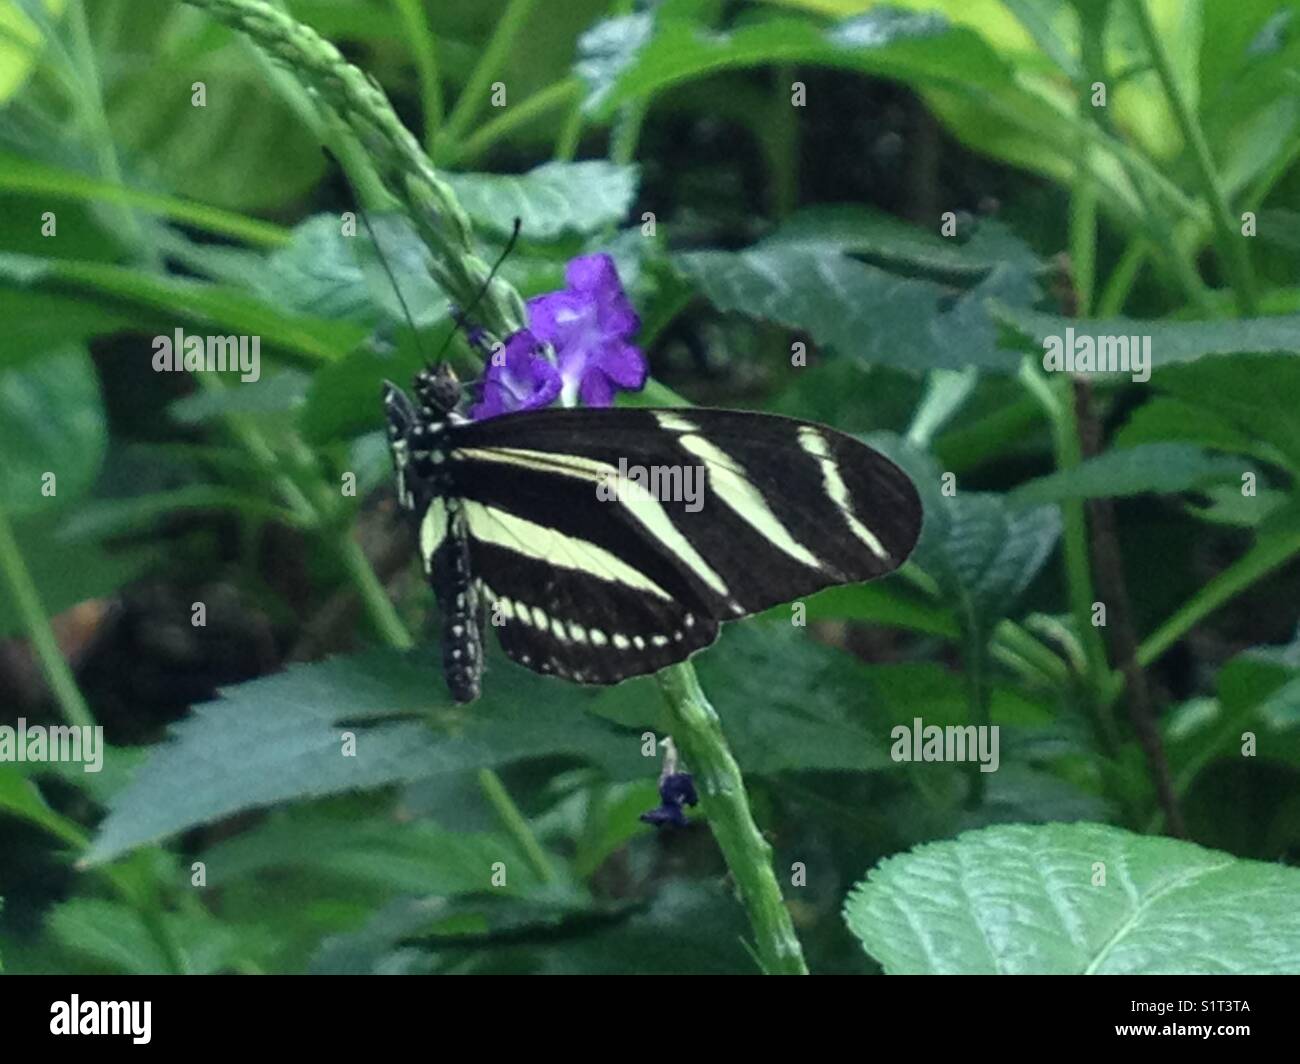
1256	394
343	398
634	58
111	937
885	603
985	94
1280	228
1022	900
1162	419
166	298
317	274
1159	468
897	245
410	857
21	44
45	181
787	702
37	322
277	393
20	797
282	739
1171	341
246	148
51	421
552	200
860	310
101	519
983	553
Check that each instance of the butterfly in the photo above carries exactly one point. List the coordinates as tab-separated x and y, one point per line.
604	543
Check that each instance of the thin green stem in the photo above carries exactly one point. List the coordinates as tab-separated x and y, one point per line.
91	104
379	607
553	97
1232	247
566	144
475	92
394	154
26	176
626	134
780	134
1083	196
1058	403
18	581
945	392
976	662
1011	638
1122	278
423	54
515	824
1270	552
698	734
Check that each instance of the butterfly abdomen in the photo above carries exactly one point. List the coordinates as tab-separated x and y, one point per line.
462	632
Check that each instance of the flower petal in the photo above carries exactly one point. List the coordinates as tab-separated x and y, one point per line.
518	378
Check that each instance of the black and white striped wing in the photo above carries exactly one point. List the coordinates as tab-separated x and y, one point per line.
596	589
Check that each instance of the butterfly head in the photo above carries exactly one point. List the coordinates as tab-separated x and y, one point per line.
438	391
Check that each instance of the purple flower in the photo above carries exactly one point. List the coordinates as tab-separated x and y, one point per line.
675	790
519	377
590	324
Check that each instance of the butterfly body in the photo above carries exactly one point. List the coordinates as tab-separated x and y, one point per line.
549	527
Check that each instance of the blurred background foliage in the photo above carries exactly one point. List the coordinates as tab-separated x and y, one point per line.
765	175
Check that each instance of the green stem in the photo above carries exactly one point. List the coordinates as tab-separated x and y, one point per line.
1057	400
1122	278
395	154
475	92
1083	196
515	824
977	699
26	176
553	97
1009	637
18	581
698	734
379	607
91	104
626	133
780	134
425	58
1232	247
566	144
1268	553
945	392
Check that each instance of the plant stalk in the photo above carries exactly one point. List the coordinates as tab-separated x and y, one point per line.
1232	246
697	731
17	581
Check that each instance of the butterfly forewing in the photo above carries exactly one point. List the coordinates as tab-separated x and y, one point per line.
591	570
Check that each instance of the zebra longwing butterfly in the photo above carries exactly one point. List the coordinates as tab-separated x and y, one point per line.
539	524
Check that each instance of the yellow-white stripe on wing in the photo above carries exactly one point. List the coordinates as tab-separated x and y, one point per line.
504	529
645	509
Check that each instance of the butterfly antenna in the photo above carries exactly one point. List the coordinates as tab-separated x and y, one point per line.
463	315
392	279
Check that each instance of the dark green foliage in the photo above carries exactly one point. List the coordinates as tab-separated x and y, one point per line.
289	788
